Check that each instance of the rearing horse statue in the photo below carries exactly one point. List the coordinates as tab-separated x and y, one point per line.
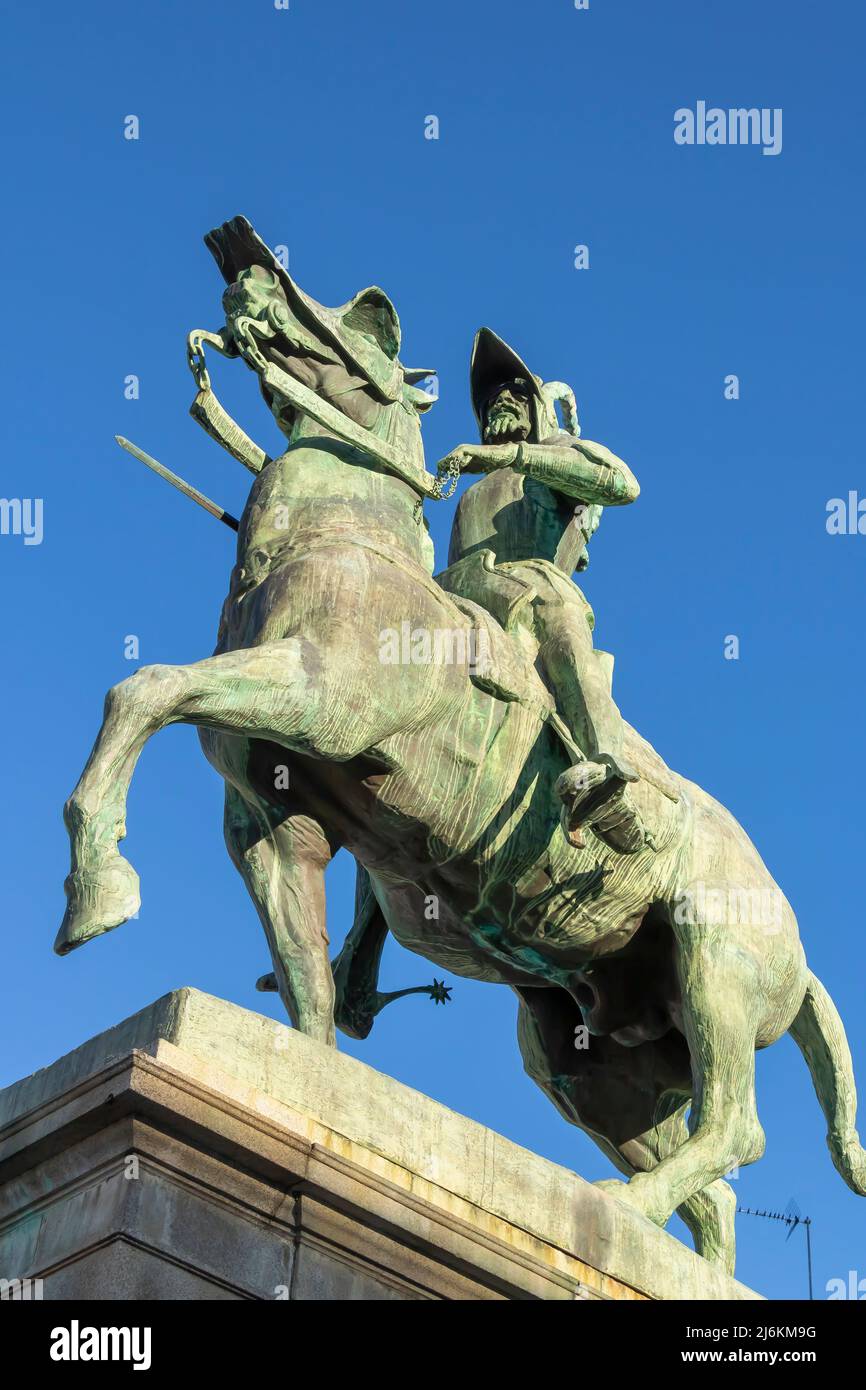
438	775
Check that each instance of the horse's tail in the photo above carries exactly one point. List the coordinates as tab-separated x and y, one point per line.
819	1033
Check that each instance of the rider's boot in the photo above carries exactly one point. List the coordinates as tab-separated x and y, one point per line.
621	825
596	793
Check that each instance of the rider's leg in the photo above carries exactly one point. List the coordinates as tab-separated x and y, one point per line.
578	679
282	860
595	792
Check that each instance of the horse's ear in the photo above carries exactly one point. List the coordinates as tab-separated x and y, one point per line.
421	387
372	313
419	399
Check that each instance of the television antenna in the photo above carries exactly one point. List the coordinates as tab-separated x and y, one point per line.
792	1217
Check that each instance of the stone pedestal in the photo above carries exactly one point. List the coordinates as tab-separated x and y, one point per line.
200	1151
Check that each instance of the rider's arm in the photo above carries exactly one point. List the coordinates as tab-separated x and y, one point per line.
583	470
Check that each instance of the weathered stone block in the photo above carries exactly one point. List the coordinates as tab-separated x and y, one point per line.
201	1151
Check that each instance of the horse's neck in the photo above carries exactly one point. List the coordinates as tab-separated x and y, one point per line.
392	424
324	487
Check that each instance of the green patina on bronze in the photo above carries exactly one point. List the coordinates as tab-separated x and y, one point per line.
508	824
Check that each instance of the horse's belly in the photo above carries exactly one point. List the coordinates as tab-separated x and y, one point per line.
434	927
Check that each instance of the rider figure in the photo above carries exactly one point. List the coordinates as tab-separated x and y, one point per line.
518	536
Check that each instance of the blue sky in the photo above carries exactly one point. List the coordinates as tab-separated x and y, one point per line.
556	129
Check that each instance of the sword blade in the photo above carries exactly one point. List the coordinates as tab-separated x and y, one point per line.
182	486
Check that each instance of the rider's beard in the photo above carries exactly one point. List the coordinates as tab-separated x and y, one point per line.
505	427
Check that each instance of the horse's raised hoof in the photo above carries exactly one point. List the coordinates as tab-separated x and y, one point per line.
267	984
97	903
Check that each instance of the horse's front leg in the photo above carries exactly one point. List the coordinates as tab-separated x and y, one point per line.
262	692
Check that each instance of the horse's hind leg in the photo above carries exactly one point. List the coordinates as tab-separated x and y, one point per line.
722	1003
282	860
356	969
278	691
631	1101
709	1214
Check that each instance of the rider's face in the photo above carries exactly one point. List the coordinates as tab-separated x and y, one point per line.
508	416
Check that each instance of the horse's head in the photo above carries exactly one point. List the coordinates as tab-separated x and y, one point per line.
336	367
